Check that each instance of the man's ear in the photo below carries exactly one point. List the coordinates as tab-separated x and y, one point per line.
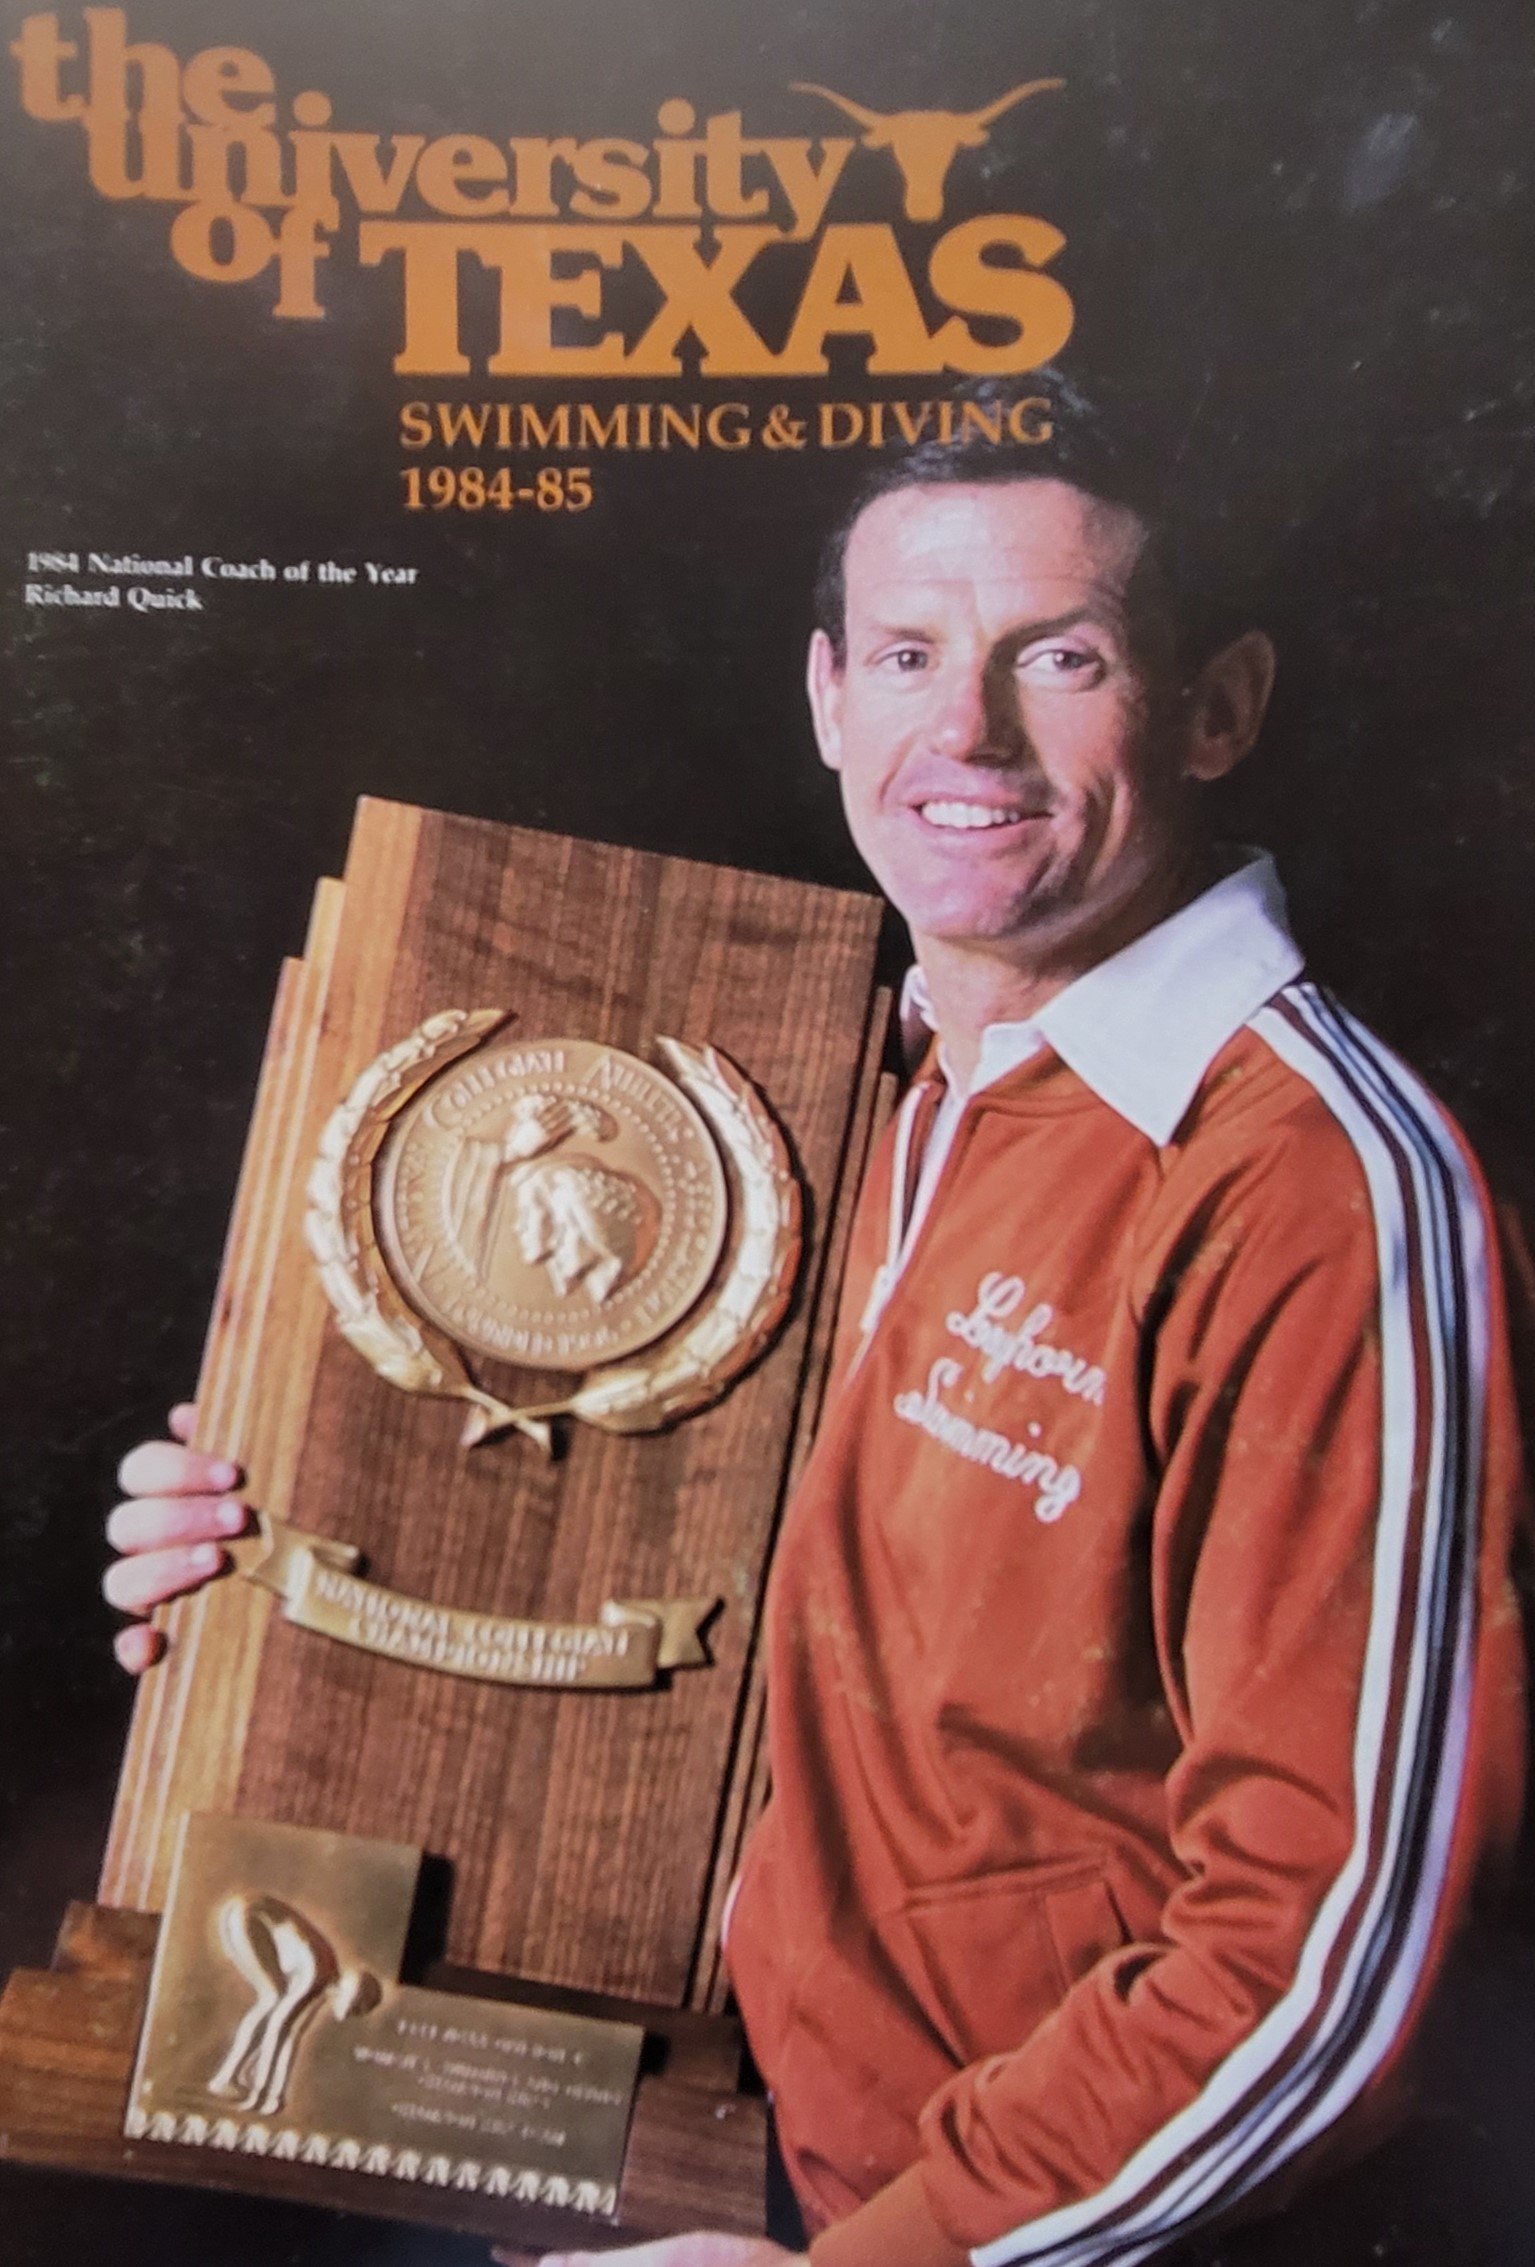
1226	703
824	684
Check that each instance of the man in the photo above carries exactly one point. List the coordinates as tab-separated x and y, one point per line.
1143	1673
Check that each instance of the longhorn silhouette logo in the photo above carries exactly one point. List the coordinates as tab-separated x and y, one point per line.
925	143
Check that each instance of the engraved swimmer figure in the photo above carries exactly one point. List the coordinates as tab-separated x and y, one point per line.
292	1969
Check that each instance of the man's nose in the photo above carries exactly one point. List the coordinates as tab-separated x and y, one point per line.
977	720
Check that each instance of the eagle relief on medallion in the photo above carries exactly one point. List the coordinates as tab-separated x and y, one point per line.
555	1204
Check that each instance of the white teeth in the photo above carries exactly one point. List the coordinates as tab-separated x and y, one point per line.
967	815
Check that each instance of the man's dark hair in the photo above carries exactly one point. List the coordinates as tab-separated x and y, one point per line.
1049	429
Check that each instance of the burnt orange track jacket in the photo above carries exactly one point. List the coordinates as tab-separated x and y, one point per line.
1144	1676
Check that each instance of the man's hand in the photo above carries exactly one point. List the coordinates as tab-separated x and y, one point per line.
177	1514
701	2250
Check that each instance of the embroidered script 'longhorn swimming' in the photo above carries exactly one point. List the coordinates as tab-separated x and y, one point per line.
925	143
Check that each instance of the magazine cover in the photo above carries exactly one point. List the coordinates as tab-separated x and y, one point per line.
434	440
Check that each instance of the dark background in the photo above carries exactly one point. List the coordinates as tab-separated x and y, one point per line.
1300	246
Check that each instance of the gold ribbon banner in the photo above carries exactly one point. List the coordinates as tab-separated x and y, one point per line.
633	1640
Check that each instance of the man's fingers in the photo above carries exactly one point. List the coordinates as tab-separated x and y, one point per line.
137	1647
164	1468
155	1523
133	1585
178	1508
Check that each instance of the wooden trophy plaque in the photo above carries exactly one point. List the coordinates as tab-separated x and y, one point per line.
413	1896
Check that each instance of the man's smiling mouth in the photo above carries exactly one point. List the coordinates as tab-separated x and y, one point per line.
964	818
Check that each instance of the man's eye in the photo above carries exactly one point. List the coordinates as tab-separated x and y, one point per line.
905	660
1066	666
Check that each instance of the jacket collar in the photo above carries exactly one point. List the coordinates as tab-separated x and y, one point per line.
1143	1027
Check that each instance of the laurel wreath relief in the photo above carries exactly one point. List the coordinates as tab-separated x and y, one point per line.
682	1371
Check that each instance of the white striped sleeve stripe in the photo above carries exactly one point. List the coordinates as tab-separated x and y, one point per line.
1364	1956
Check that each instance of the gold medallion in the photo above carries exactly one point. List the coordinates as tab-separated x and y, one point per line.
555	1203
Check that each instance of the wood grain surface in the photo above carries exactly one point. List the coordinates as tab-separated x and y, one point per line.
589	1835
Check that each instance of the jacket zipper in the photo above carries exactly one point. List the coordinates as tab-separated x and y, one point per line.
901	1253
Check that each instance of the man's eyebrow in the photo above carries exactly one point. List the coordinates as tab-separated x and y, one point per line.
878	632
1105	614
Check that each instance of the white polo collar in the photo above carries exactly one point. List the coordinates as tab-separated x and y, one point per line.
1143	1027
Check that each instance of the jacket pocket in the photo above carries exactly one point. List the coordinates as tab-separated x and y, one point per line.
1085	1925
990	1959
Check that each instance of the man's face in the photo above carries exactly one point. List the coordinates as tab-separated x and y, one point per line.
1008	739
